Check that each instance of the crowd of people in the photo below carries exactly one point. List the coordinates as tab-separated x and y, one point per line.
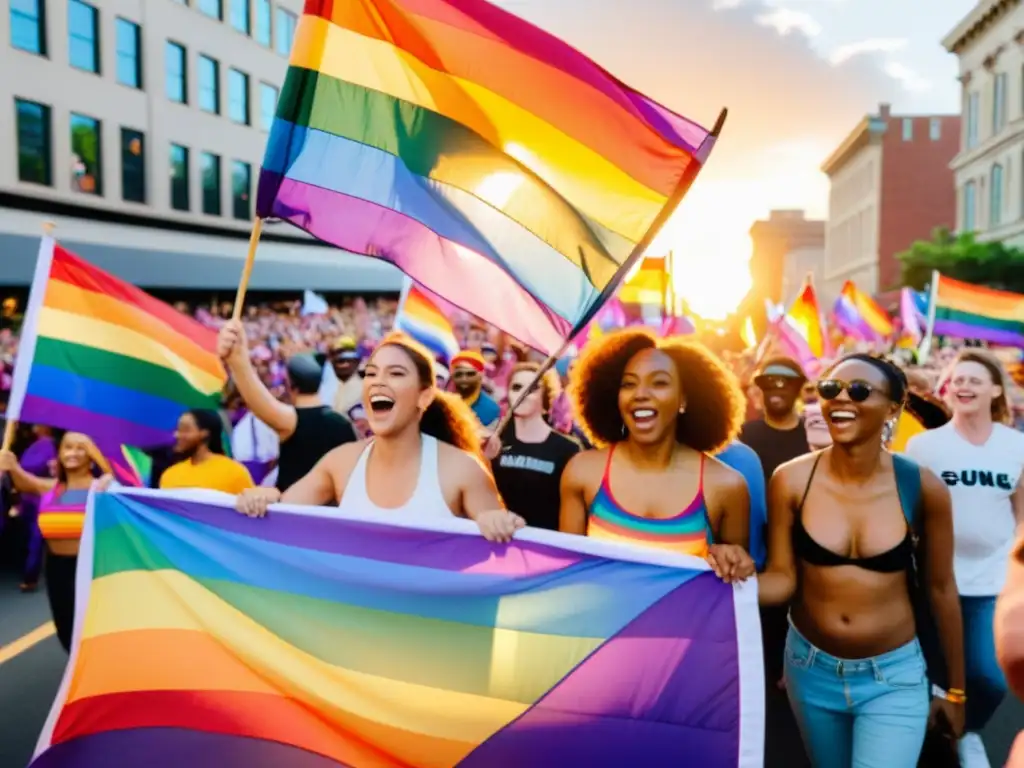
879	570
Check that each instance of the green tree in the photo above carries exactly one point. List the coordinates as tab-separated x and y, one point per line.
962	257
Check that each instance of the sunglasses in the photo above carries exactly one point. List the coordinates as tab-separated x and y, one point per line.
464	374
859	391
520	388
775	382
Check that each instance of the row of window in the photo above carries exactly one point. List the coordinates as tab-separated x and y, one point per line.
35	163
209	87
934	129
1000	94
997	184
28	28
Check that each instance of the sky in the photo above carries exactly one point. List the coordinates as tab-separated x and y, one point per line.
796	75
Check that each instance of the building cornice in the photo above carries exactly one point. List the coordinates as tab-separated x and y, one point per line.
975	23
857	139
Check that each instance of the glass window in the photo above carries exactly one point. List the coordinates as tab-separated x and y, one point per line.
133	166
33	128
240	19
209	167
241	190
83	36
268	105
935	129
212	8
970	206
995	192
972	119
263	22
177	80
284	31
179	177
86	155
908	129
28	26
999	102
129	60
209	85
238	96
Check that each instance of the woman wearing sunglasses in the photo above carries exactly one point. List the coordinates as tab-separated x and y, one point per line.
840	549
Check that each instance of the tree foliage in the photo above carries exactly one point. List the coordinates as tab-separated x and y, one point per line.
962	257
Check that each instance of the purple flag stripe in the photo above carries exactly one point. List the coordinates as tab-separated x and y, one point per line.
404	546
667	685
109	432
177	748
969	331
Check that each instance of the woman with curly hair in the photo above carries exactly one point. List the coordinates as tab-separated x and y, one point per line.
423	460
658	409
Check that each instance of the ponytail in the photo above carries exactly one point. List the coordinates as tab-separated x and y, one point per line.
451	421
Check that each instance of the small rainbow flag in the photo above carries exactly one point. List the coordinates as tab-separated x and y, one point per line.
314	639
968	311
421	317
488	160
800	332
648	285
102	357
859	316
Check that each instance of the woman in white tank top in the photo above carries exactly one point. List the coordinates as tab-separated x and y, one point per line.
422	462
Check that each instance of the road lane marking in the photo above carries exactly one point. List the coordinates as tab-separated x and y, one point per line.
27	641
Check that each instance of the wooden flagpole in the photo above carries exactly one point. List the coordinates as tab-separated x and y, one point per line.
250	259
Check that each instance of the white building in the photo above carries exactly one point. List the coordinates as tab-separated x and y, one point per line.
989	169
138	126
797	265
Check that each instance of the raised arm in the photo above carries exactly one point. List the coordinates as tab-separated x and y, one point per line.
777	584
23	481
572	514
234	351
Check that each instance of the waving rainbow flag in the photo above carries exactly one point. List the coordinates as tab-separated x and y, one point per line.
311	639
488	160
420	316
100	356
967	311
859	316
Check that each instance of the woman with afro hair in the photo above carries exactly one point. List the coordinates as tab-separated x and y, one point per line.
658	410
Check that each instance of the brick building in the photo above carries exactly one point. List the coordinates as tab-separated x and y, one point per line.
774	239
891	184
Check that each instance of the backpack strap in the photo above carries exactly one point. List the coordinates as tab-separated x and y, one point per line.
908	484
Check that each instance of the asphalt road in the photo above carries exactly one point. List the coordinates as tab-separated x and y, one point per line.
32	661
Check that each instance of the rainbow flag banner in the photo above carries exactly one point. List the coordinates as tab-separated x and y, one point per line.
313	639
100	356
968	311
488	160
859	316
420	316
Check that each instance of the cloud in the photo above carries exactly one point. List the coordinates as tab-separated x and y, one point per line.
724	5
846	52
907	77
786	20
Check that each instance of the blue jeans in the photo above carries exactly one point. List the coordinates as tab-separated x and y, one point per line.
986	684
858	713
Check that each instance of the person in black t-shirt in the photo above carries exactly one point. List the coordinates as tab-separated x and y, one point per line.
529	467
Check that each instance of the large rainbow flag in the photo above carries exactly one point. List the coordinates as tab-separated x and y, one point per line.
312	639
100	356
968	311
490	161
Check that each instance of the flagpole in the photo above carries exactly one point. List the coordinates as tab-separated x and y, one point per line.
250	259
926	343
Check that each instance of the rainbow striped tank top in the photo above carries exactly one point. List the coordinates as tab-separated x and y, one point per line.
687	533
62	514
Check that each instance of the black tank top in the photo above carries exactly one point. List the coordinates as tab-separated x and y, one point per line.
318	430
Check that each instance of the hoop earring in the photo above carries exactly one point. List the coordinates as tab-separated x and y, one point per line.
888	430
624	430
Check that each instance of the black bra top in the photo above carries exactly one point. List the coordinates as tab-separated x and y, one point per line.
897	559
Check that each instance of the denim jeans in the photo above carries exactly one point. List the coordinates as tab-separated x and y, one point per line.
858	713
986	684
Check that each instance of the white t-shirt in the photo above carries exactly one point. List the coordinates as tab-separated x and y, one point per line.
981	480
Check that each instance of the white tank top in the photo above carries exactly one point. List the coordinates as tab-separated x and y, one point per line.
426	501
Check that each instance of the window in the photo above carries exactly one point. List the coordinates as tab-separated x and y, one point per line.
238	96
284	31
908	129
209	167
263	22
970	206
33	127
133	166
999	102
179	178
177	80
241	190
83	36
28	26
935	129
129	61
268	105
972	120
212	8
209	85
86	156
995	196
240	16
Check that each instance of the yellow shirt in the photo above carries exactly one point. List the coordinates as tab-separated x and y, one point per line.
216	473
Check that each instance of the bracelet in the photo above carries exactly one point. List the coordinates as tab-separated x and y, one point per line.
956	696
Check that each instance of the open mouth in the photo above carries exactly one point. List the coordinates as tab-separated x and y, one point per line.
841	417
644	417
381	404
966	397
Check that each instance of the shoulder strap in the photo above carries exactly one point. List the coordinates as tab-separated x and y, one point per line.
810	479
908	484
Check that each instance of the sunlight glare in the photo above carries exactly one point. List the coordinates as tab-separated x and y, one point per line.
498	188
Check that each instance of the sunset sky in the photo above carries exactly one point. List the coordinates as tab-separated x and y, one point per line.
796	76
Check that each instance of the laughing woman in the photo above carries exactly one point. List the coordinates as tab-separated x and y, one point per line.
423	460
658	409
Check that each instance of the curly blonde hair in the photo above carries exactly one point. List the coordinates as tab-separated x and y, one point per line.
549	385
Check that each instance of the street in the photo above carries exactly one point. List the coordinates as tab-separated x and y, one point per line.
31	663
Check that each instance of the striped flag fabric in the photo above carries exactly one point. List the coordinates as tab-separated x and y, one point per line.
317	639
421	317
967	311
859	316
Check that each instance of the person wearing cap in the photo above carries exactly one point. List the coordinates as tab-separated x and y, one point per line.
307	429
468	374
341	387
